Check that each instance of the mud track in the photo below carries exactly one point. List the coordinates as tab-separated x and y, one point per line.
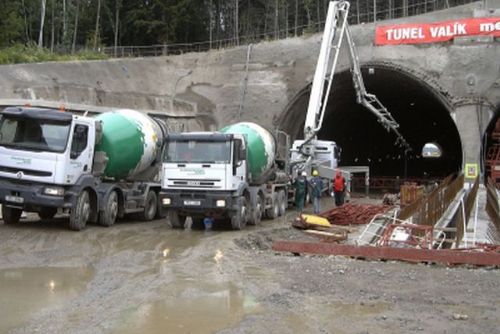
147	278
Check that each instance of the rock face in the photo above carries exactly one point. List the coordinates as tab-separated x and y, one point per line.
206	91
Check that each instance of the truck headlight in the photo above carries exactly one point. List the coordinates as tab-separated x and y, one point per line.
166	201
54	191
220	203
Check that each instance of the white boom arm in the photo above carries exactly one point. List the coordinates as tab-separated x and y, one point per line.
337	17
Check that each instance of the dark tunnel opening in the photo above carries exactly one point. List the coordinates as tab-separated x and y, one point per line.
491	149
422	115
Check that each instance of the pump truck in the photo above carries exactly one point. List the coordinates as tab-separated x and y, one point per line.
95	169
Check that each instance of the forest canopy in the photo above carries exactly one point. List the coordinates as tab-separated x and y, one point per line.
69	26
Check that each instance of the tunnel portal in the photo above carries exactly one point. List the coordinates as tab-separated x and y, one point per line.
423	117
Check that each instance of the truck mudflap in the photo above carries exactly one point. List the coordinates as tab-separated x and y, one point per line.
196	202
29	195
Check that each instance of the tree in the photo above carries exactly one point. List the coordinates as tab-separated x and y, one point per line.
75	28
42	21
98	16
11	24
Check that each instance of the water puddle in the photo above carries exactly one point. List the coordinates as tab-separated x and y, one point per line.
199	310
26	291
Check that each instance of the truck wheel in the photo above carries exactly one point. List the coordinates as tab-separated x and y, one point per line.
273	211
282	203
239	219
47	213
108	216
80	213
160	211
176	220
11	215
150	206
256	215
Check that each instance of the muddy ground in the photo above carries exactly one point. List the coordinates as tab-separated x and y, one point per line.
147	278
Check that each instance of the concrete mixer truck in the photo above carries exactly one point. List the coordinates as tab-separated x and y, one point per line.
238	173
95	169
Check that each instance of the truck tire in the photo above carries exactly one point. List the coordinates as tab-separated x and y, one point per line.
11	215
108	216
273	211
47	213
239	219
150	206
282	204
160	211
80	213
176	220
256	214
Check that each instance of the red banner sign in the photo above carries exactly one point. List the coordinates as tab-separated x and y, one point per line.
436	32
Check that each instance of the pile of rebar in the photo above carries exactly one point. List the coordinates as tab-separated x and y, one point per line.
352	214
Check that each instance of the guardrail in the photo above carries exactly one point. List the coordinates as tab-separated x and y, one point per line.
427	210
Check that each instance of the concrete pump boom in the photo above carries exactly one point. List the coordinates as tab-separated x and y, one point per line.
337	17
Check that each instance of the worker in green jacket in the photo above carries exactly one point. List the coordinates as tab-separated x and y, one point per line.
300	185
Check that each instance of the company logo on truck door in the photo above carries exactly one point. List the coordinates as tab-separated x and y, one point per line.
193	171
21	161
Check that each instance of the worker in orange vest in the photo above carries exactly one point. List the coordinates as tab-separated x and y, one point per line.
339	188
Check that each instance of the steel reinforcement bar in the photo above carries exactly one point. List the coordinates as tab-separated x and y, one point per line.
452	257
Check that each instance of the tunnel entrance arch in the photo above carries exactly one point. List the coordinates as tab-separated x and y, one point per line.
491	149
422	112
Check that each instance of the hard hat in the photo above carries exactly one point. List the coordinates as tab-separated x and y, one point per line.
304	174
315	173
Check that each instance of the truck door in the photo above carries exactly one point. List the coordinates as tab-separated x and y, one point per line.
81	152
239	162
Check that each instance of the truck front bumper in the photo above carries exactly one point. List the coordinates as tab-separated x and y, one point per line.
29	196
196	202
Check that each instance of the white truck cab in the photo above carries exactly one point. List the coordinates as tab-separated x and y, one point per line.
41	152
202	172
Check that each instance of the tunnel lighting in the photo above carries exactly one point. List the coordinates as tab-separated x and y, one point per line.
220	203
431	150
52	285
166	201
165	252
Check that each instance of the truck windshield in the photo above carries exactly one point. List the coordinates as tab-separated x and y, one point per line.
198	151
33	134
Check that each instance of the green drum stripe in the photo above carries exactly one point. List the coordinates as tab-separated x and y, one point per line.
123	143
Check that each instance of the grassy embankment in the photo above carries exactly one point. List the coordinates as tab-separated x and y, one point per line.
19	54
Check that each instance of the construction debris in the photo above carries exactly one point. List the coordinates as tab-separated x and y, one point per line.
407	235
320	227
390	199
481	256
328	236
353	214
315	220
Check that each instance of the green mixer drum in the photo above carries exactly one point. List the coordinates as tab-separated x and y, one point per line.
261	147
131	141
